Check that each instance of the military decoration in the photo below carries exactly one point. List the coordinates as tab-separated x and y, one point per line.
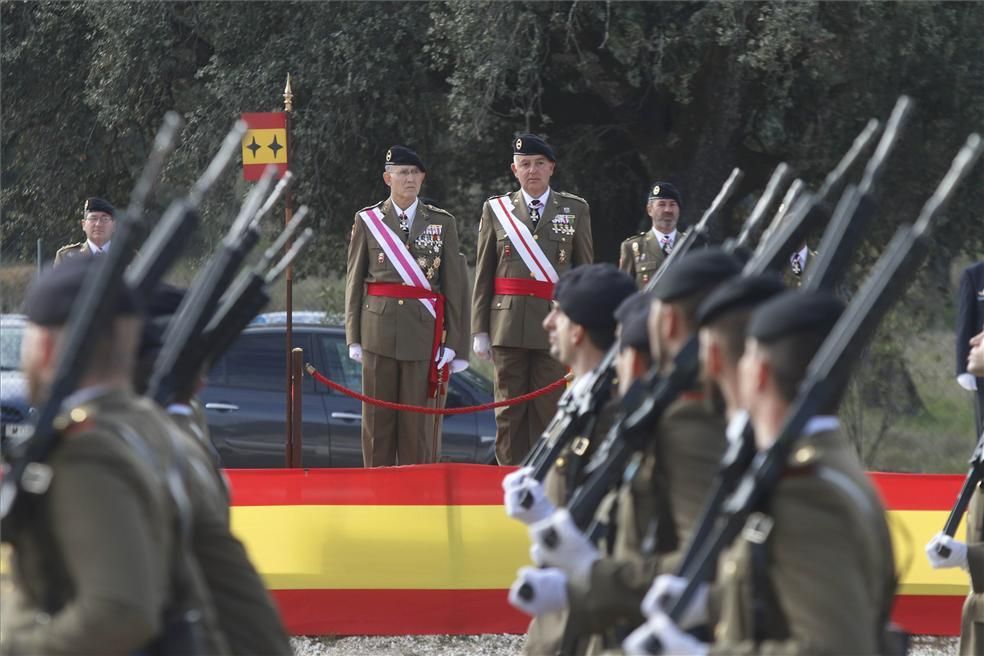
506	250
562	224
381	257
430	274
437	262
431	239
422	262
562	256
404	223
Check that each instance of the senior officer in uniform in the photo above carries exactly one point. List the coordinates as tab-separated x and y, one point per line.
96	563
402	311
812	572
526	240
641	255
98	224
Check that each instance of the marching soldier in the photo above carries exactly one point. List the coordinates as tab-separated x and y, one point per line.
641	255
812	572
526	240
580	328
98	565
402	311
657	505
98	224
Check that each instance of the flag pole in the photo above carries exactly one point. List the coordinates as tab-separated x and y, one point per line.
288	281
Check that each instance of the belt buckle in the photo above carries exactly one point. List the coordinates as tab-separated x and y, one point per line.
580	445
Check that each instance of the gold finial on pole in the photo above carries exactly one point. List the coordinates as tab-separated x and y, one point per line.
288	96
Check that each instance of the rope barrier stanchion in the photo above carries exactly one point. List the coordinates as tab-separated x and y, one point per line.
557	384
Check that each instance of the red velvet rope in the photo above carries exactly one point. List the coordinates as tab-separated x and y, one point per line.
314	373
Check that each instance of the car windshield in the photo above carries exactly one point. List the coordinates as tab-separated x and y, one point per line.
10	346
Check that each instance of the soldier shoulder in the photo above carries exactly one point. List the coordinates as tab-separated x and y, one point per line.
636	237
438	210
570	196
71	247
371	207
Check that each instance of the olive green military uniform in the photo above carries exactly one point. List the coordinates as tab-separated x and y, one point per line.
78	249
686	454
245	612
95	567
514	323
972	619
640	256
827	568
397	334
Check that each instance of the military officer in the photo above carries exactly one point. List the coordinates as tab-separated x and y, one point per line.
526	240
656	506
98	224
245	612
822	530
580	328
402	311
98	564
641	255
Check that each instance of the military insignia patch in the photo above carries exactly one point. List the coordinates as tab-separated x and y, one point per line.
437	262
422	261
519	144
389	155
562	256
655	191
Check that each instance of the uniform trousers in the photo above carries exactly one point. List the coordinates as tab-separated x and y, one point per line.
520	371
391	437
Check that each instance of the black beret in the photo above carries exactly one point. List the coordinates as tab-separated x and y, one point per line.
633	315
695	272
96	204
160	308
739	293
404	156
589	294
50	298
794	312
530	144
665	190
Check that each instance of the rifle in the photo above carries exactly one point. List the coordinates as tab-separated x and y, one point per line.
883	287
577	415
90	315
850	216
971	481
176	367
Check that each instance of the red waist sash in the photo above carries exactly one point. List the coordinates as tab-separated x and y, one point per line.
399	290
524	287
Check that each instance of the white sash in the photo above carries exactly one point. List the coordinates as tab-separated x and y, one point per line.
398	255
522	240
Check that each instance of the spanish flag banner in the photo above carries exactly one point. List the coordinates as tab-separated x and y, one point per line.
265	143
429	549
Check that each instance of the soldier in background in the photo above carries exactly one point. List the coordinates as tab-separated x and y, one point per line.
641	255
970	321
526	240
98	224
813	571
394	323
98	564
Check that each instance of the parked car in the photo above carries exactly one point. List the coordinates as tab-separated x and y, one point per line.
245	401
15	409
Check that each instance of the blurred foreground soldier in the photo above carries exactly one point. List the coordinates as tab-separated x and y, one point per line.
526	240
641	255
99	568
813	571
98	224
970	321
580	328
657	504
402	311
244	610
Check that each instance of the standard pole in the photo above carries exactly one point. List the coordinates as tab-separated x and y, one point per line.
296	415
288	281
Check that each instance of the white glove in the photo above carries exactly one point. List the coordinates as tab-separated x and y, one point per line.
529	488
458	365
571	550
659	635
666	589
539	591
967	381
482	346
958	552
514	478
355	352
443	358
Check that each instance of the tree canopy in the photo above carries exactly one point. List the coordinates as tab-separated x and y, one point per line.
626	92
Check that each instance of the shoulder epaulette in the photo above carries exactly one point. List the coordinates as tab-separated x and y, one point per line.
369	207
439	210
496	196
69	247
567	194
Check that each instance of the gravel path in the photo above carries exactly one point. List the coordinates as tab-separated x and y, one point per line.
493	645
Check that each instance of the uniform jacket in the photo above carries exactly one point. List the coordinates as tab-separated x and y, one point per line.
972	618
829	573
970	313
640	256
689	444
517	321
402	328
93	570
78	249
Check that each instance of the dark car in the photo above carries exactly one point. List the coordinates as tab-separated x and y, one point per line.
245	402
15	409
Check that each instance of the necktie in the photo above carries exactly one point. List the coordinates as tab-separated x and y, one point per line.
404	224
666	245
535	211
795	264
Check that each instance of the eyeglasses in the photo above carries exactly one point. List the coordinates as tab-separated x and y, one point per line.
99	219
